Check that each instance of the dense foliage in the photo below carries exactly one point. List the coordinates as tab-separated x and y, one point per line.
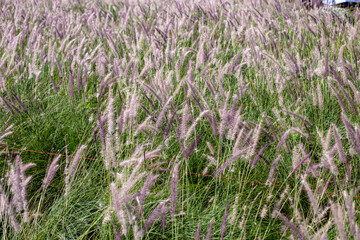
179	120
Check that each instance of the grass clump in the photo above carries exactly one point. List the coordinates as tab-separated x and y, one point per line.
178	120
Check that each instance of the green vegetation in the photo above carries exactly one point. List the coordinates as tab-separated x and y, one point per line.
180	119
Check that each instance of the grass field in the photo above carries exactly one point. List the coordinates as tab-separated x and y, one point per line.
179	120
